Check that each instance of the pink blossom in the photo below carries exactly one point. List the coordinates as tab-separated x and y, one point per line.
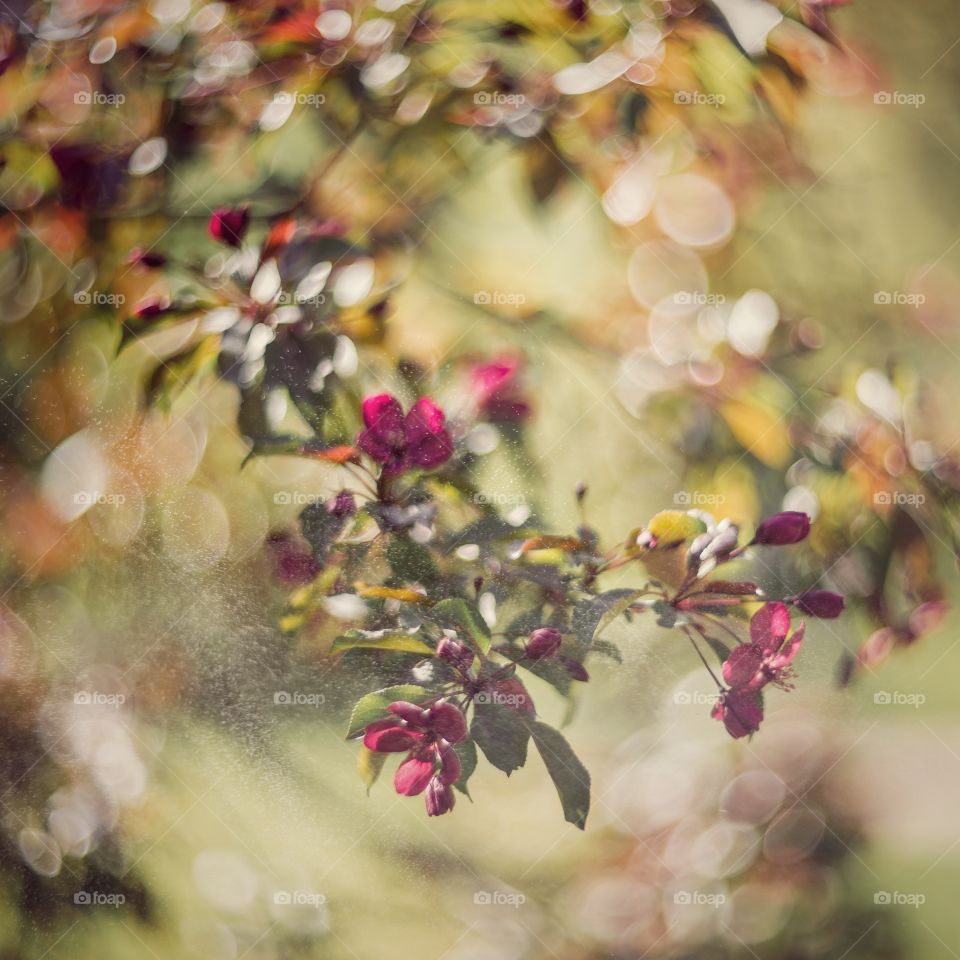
497	391
400	443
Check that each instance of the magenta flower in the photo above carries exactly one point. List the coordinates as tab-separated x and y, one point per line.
819	603
400	443
542	643
428	735
740	711
768	656
497	391
229	225
782	529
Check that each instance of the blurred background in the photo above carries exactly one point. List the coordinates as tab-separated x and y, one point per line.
158	711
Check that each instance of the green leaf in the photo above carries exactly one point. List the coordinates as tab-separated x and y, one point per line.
592	616
459	615
607	649
501	734
410	561
467	752
569	775
374	705
404	642
719	648
369	765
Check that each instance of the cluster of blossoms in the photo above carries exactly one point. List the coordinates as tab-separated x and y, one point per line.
465	608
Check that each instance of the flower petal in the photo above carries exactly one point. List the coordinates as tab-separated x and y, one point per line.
740	712
412	776
769	627
743	665
387	736
784	656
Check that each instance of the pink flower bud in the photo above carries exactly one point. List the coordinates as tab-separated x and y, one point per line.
457	654
229	226
782	529
542	643
819	603
440	798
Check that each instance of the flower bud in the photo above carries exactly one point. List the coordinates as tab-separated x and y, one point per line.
819	603
457	654
440	798
229	226
542	643
343	505
782	529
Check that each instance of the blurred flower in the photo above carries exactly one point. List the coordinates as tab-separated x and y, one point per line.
782	529
497	392
543	643
400	443
229	225
819	603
